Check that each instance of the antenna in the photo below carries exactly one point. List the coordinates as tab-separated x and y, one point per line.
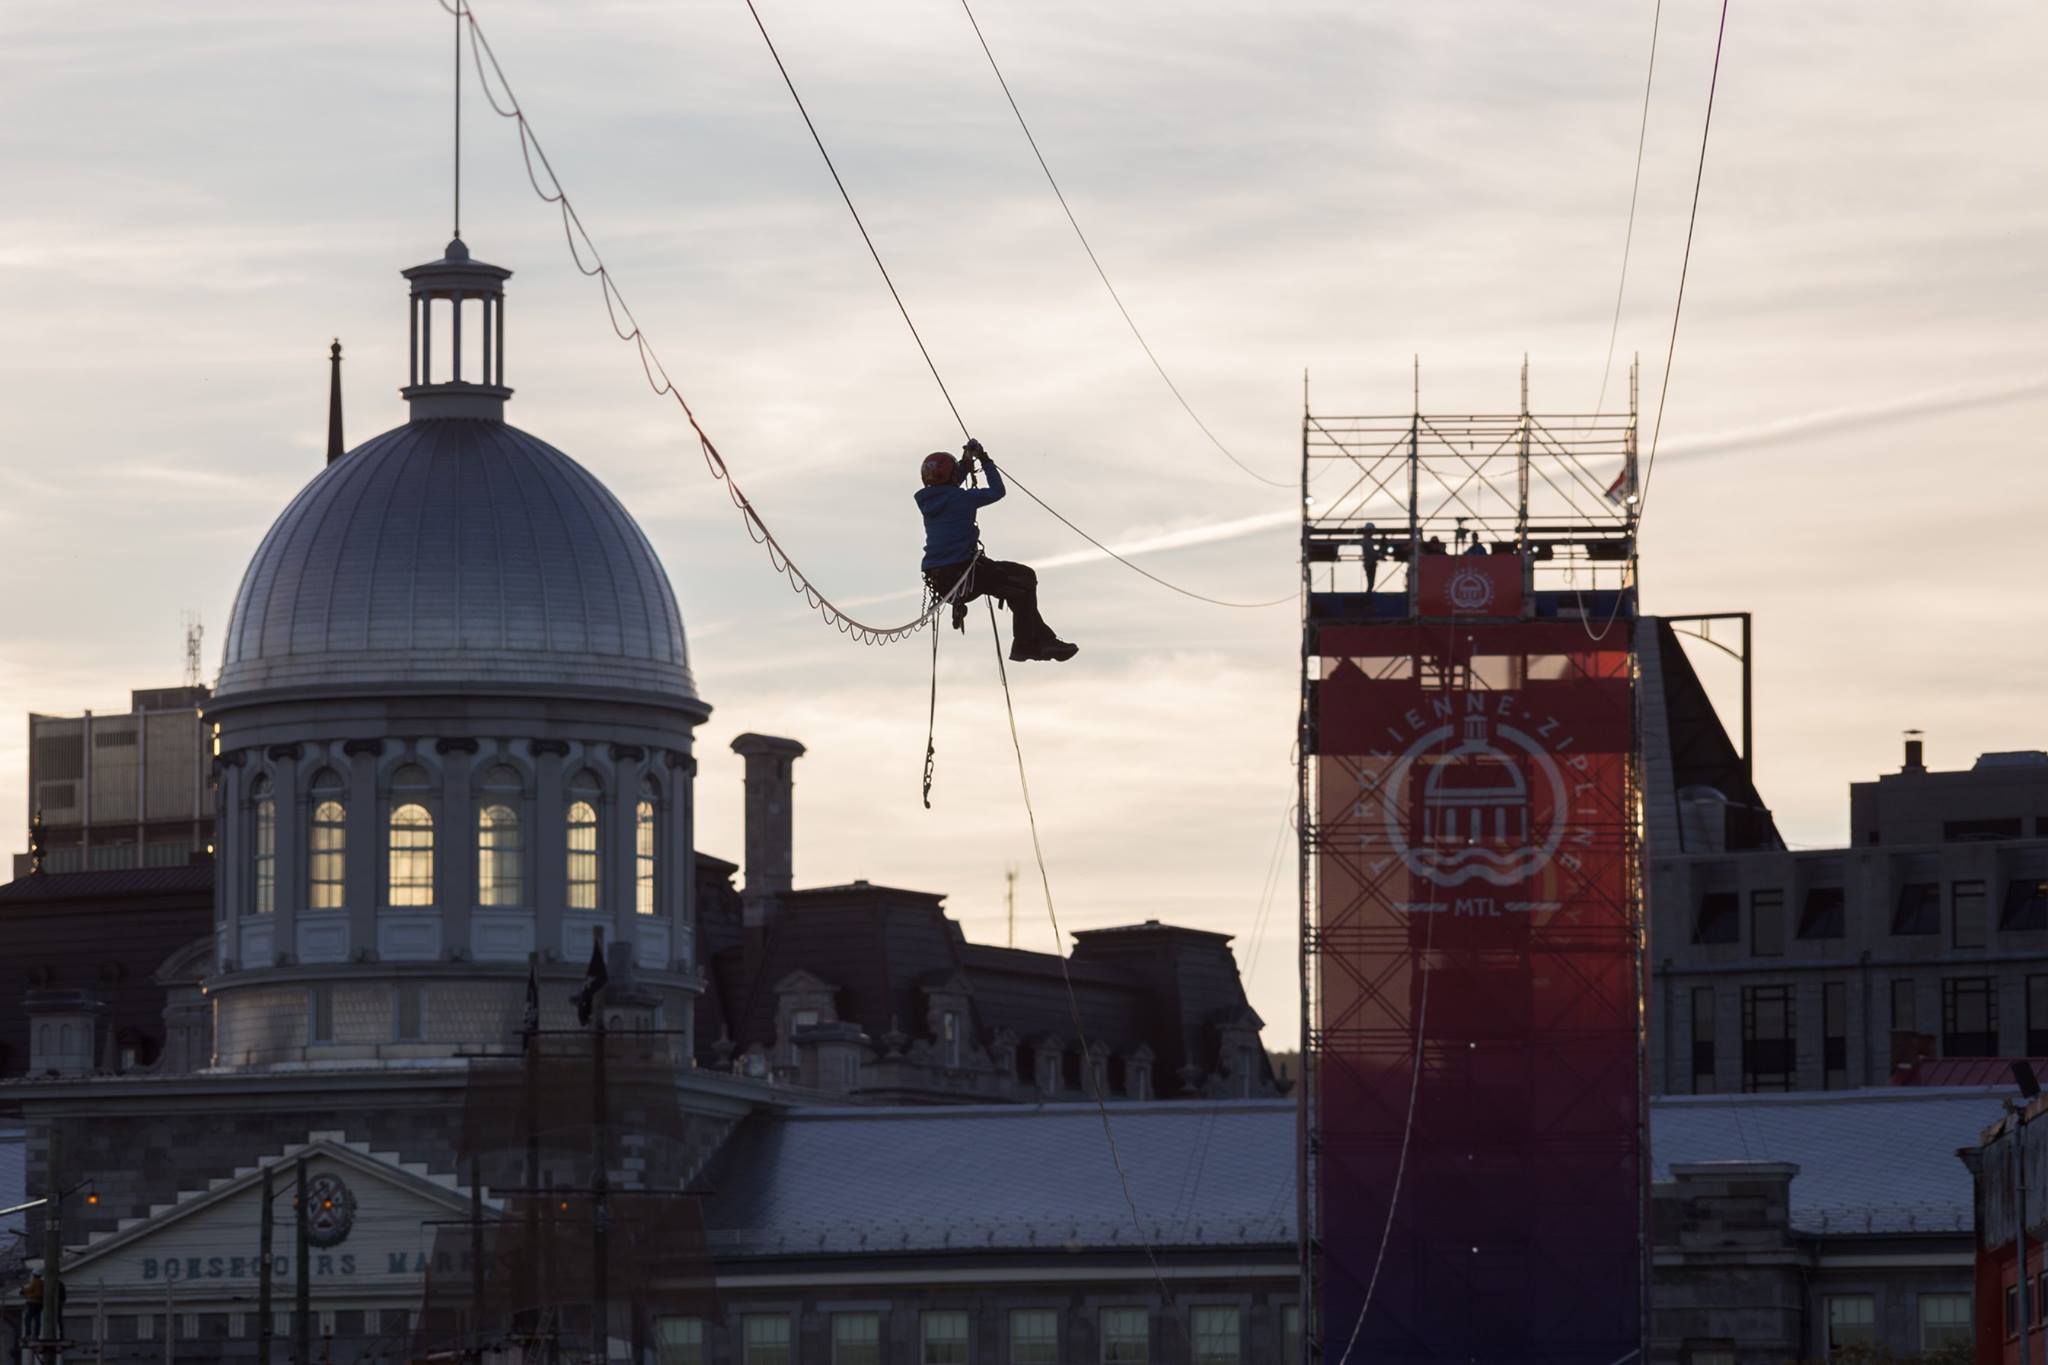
460	9
195	631
1010	905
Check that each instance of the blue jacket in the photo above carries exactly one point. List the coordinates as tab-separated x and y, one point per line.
950	535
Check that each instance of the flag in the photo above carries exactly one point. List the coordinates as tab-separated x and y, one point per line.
1622	491
532	1024
594	977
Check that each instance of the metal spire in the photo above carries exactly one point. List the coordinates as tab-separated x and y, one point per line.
334	443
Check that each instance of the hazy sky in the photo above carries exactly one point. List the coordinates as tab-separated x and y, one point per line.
200	196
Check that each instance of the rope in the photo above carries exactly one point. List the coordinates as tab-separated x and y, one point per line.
931	722
1067	979
1102	274
1634	187
856	218
579	242
1678	305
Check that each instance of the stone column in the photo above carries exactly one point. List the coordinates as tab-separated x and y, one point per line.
362	887
455	851
550	866
288	865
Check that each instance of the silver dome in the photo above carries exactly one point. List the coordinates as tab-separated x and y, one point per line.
456	554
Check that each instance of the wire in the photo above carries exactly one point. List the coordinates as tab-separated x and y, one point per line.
1634	187
1067	979
1678	305
856	218
1093	260
1172	587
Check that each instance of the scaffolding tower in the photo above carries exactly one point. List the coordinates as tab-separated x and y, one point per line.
1473	1146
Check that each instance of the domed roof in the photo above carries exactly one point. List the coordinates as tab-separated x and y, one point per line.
456	552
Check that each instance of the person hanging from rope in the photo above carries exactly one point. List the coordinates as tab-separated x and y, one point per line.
951	548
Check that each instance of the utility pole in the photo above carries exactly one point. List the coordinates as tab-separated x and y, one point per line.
476	1254
53	1251
1010	904
266	1317
530	1267
302	1292
600	1215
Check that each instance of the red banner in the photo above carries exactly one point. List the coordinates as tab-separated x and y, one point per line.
1469	585
1476	918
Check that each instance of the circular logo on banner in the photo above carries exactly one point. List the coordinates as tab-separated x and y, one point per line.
332	1211
1488	805
1469	589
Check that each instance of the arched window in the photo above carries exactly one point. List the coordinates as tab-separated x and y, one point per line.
263	846
500	841
643	848
581	829
327	845
410	878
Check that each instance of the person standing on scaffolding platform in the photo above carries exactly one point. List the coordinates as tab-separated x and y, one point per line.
951	540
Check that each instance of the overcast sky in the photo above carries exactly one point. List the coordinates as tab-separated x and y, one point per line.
199	197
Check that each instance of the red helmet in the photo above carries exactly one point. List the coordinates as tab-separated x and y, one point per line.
939	467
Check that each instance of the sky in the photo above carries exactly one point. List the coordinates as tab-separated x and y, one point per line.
201	197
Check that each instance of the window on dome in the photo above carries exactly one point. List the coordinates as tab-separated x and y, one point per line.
327	845
263	846
500	840
643	850
410	876
581	830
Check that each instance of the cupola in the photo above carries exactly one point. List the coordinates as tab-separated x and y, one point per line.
466	299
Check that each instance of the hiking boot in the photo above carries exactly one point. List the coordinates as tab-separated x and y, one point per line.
1056	650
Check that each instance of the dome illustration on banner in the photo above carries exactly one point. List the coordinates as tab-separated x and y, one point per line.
1469	589
1483	812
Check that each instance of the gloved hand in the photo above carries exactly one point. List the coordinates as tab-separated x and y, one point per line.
971	452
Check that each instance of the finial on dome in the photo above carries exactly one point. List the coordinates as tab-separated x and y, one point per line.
457	280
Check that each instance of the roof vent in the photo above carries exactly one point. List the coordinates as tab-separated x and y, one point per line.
2013	758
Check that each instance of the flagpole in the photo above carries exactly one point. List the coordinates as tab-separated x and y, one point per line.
531	1265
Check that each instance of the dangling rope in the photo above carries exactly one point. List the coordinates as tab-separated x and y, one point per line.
1067	979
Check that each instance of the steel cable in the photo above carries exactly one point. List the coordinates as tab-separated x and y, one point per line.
1102	274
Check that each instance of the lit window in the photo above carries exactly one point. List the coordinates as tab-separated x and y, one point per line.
1852	1321
410	878
950	1023
945	1338
856	1339
1034	1336
679	1341
643	851
764	1339
1126	1336
327	845
500	856
582	842
263	847
1944	1321
1216	1336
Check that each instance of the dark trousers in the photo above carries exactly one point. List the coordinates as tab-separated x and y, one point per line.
1013	585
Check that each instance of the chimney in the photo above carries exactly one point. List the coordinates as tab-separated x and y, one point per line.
768	851
334	446
1914	759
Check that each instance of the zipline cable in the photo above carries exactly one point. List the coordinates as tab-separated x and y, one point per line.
857	219
1634	188
1677	310
1101	273
1685	264
1067	979
819	142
